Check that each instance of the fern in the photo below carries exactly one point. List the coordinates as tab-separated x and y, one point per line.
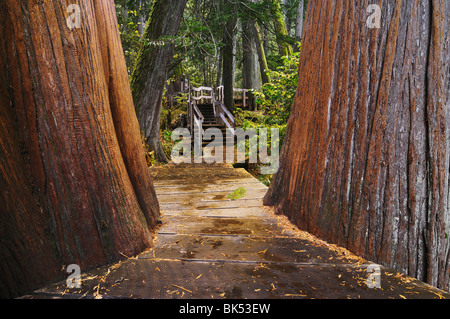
237	193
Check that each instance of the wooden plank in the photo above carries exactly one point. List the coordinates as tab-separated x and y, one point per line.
243	248
206	177
218	279
208	196
262	227
206	205
221	212
181	183
213	188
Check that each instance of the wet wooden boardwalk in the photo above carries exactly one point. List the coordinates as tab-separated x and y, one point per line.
211	246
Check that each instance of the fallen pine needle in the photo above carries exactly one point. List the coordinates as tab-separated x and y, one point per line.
182	288
124	255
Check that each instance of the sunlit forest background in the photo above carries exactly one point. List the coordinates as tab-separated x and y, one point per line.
266	37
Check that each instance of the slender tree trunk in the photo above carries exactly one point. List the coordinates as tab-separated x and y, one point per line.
299	24
265	37
263	66
150	72
75	188
280	29
229	60
219	68
366	160
250	70
287	18
142	19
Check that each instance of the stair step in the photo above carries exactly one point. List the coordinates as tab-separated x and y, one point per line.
212	125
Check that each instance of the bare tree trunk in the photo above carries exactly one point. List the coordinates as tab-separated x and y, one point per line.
263	66
366	158
142	19
299	23
150	72
229	60
250	70
75	188
219	68
280	29
287	18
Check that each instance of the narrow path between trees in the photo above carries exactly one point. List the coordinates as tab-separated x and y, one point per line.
217	242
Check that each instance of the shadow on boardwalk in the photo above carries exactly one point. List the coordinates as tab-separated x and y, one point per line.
212	247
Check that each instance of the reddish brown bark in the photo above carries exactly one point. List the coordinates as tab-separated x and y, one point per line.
366	160
74	184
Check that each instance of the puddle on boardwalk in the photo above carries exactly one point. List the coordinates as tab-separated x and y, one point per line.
216	244
220	197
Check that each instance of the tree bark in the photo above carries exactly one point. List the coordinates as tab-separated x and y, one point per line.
250	71
280	29
229	60
365	163
219	68
75	188
287	18
299	23
150	72
263	66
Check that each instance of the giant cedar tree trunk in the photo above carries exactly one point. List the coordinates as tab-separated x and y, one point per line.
365	163
150	72
74	185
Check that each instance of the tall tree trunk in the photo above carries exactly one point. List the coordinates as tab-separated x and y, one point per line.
75	188
280	29
250	70
263	66
219	68
229	60
299	24
365	163
150	72
142	18
287	19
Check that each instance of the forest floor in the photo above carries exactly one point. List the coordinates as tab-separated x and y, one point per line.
219	241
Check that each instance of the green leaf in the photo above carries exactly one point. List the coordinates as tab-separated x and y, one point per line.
237	193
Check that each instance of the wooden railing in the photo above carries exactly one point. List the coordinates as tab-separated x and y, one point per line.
205	94
219	95
241	94
200	96
195	123
214	96
198	125
224	116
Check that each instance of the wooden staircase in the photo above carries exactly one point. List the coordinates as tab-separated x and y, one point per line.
211	121
206	110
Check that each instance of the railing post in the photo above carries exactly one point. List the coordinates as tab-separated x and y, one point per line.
189	119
